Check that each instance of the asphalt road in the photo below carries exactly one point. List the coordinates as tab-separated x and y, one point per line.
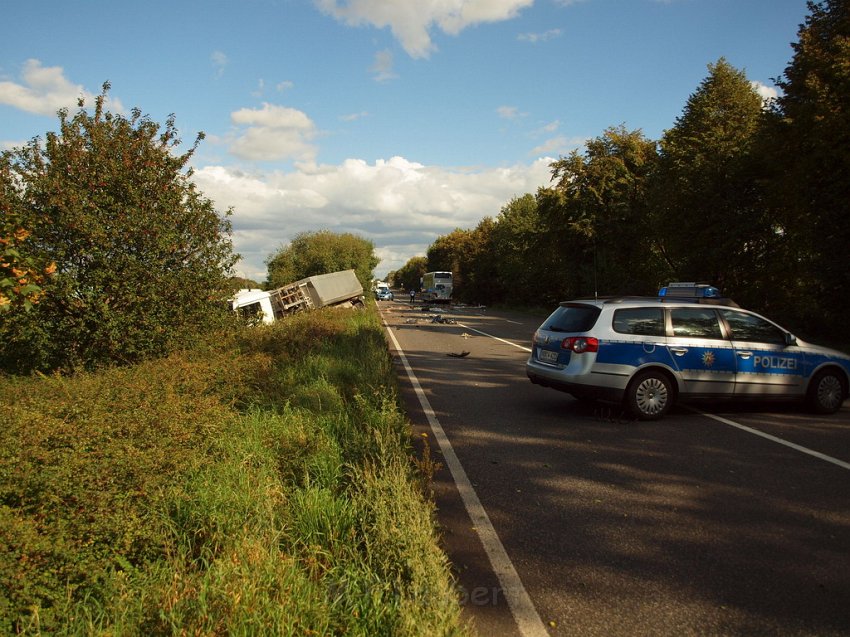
694	525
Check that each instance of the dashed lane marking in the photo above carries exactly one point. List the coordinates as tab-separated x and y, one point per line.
756	432
501	340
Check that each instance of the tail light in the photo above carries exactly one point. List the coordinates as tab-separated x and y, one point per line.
580	344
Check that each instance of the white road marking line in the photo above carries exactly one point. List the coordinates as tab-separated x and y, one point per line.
756	432
523	348
522	608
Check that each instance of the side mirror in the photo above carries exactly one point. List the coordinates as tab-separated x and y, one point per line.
790	339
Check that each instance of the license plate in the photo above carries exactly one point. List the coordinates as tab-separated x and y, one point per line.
547	356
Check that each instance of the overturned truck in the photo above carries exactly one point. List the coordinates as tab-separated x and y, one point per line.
322	290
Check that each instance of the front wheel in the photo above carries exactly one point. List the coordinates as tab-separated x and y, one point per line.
649	396
826	392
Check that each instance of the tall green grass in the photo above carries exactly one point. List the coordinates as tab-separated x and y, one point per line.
262	486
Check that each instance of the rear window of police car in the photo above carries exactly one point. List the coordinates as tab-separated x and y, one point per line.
573	318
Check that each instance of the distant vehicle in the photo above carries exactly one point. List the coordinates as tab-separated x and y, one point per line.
313	292
384	294
688	341
437	287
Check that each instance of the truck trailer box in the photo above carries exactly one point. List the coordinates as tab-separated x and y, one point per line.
332	288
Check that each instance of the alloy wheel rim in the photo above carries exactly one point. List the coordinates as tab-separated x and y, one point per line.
651	396
830	392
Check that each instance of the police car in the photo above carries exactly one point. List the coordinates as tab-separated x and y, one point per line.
689	341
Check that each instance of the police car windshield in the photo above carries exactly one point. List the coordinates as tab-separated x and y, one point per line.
573	318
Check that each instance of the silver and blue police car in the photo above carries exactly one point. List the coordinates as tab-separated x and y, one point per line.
647	352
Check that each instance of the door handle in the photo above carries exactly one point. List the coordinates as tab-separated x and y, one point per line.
679	351
745	355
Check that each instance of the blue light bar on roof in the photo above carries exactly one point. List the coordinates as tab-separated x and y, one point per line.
689	290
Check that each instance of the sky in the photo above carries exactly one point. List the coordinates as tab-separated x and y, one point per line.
395	120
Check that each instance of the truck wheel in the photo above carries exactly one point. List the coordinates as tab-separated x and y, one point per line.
649	396
826	392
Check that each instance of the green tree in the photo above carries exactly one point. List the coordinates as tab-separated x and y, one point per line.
21	278
811	135
709	217
410	274
321	252
451	252
599	214
141	256
509	265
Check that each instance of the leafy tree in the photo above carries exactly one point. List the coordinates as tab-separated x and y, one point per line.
312	253
450	253
709	218
410	274
600	216
236	283
506	265
811	134
479	265
21	277
141	256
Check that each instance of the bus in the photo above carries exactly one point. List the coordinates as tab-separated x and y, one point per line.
437	287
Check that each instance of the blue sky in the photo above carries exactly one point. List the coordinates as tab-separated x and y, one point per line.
397	120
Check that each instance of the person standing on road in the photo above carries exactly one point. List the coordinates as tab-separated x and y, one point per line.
412	295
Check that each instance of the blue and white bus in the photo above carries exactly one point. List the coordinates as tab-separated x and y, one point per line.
437	287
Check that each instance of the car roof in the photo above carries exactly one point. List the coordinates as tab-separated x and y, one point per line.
643	301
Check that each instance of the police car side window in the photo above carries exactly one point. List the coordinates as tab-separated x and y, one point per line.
644	321
747	327
695	322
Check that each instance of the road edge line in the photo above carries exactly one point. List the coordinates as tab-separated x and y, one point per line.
522	608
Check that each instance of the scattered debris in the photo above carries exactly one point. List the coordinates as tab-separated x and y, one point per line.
461	355
439	319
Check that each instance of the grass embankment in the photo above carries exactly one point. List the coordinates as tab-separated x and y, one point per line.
263	486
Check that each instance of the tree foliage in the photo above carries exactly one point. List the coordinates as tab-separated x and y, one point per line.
458	252
708	216
140	255
603	211
312	253
752	197
410	274
811	145
21	276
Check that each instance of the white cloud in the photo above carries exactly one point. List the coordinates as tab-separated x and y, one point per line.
273	133
383	66
508	112
560	145
10	144
412	20
353	117
44	90
768	93
400	205
219	61
534	38
551	127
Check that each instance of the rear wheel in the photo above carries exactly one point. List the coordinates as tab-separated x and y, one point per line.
649	396
826	392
